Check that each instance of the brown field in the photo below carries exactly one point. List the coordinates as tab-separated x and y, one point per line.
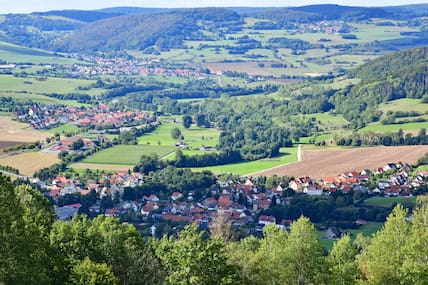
331	162
102	166
30	162
5	144
11	131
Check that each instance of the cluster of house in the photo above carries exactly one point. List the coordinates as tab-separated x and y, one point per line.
49	116
398	181
123	66
240	202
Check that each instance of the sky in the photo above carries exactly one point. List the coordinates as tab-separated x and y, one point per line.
26	6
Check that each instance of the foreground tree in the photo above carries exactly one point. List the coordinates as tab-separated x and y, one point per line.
341	263
382	260
194	260
25	222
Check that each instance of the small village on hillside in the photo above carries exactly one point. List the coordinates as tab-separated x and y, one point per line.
243	202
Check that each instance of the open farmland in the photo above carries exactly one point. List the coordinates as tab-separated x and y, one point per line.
126	154
30	162
107	167
331	162
12	131
287	155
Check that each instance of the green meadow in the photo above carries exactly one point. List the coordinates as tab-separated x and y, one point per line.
17	54
388	202
288	155
126	154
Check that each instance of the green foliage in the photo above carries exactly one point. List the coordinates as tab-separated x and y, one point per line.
187	121
26	219
341	262
175	133
193	260
89	273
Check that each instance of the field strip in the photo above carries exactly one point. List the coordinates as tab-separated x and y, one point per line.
95	166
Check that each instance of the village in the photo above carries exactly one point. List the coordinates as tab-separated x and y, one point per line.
242	202
100	117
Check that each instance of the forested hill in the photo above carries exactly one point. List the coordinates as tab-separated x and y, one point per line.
164	30
402	74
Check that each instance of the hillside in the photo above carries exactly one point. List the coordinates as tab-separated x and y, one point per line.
402	74
164	30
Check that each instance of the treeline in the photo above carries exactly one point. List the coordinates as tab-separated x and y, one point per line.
36	249
386	139
9	169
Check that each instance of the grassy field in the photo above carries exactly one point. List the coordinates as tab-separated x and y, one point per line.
388	202
194	136
30	162
404	105
367	230
42	86
64	129
378	127
17	54
126	154
288	155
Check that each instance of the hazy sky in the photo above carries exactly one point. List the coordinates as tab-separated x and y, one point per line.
25	6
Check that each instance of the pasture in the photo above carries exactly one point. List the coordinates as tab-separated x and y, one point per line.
127	154
388	202
288	155
18	54
30	162
331	162
378	127
195	137
49	85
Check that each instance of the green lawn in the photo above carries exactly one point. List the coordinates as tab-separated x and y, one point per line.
288	155
389	201
126	154
46	86
378	127
404	105
18	54
194	136
66	128
367	230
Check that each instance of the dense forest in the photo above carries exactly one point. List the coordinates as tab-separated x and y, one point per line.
36	249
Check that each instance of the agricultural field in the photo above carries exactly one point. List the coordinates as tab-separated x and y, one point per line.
407	127
406	104
287	156
332	162
11	53
388	202
12	131
30	162
49	85
195	137
79	167
127	154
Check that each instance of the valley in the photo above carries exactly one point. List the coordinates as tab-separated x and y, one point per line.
138	140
